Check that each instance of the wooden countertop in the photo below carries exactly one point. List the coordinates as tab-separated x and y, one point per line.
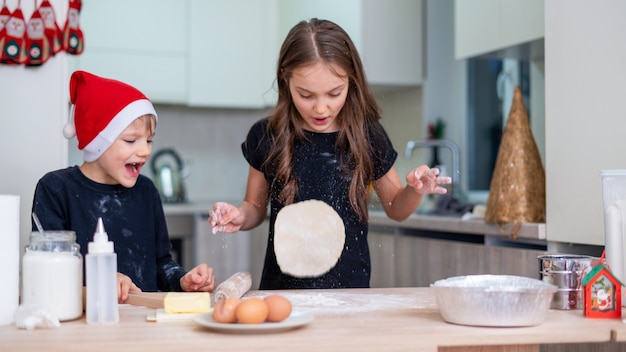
349	319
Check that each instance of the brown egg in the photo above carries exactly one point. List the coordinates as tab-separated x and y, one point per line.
252	311
279	308
225	310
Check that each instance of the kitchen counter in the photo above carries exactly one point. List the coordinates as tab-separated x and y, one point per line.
188	208
533	231
349	319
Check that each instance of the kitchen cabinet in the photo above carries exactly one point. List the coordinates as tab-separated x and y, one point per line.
142	42
232	53
388	34
258	245
192	52
223	54
585	121
180	227
226	253
382	254
484	26
403	258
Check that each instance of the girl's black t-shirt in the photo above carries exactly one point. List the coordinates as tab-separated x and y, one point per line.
319	176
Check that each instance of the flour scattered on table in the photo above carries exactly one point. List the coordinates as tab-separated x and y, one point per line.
330	303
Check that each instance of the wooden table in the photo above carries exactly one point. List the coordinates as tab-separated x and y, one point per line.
353	319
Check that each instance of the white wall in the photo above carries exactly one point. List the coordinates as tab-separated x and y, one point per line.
209	141
585	66
33	110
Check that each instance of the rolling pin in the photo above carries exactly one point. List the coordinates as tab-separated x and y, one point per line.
235	286
146	299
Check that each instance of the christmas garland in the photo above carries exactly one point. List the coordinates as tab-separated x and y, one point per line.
32	43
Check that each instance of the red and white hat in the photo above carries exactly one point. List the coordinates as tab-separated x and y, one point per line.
102	108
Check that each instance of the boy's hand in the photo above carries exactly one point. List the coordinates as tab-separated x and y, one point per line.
125	285
200	278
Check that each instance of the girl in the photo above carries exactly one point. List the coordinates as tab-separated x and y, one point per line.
323	141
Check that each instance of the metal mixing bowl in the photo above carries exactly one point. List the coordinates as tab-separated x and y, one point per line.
493	300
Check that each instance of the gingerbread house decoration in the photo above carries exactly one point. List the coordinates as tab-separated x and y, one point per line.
602	293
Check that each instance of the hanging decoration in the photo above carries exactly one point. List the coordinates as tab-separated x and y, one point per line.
52	31
32	42
73	41
5	13
13	42
37	45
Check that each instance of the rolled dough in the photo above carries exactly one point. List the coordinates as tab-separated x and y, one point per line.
308	238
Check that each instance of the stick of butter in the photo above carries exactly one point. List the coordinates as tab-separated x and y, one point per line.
187	302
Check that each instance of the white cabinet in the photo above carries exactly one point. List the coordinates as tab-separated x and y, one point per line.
232	53
141	42
585	121
483	26
192	52
212	53
388	34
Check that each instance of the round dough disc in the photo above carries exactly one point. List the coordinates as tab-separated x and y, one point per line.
308	238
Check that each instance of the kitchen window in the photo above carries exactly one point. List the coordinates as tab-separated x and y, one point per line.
490	91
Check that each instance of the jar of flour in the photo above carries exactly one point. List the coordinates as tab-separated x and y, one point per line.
52	274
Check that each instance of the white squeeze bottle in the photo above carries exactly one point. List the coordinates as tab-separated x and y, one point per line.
101	279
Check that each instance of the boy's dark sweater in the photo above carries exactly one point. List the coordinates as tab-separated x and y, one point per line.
133	219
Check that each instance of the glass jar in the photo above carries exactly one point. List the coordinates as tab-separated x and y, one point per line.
52	274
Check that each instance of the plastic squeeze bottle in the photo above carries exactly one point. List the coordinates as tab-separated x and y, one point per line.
101	279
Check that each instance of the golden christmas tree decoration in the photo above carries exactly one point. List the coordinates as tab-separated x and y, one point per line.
518	185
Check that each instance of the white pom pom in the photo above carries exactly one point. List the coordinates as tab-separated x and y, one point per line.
69	131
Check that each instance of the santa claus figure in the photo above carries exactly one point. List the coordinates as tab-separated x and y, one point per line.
603	300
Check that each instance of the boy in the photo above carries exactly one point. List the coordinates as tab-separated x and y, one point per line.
114	124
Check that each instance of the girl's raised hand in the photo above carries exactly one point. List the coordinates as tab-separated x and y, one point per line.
426	180
223	218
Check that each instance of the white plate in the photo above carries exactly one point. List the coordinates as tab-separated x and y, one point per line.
296	319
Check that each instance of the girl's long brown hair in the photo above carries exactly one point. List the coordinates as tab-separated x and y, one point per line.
308	43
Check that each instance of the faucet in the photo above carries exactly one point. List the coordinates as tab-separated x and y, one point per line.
445	143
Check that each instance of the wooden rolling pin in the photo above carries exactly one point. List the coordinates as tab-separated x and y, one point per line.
146	299
235	286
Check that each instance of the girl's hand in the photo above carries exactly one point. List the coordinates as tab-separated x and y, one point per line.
125	285
198	279
426	180
225	218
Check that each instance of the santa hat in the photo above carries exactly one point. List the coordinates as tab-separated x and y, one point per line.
102	108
